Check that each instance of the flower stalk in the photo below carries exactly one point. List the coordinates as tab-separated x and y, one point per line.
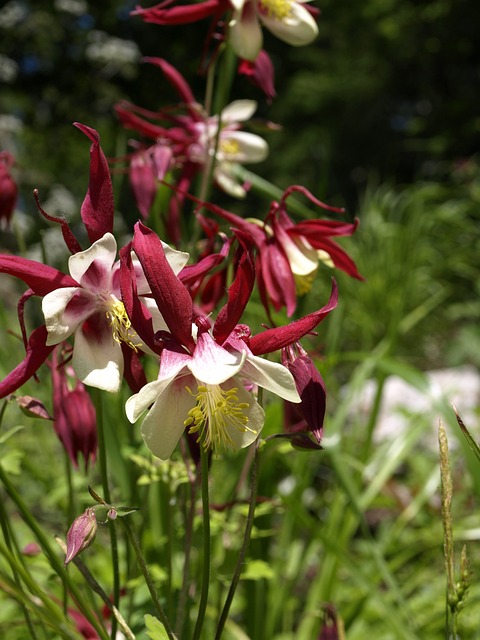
245	543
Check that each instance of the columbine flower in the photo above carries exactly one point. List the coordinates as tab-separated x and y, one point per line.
288	253
185	140
94	313
234	146
207	374
204	370
288	20
205	392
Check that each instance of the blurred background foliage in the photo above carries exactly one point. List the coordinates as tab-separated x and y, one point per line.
379	115
389	89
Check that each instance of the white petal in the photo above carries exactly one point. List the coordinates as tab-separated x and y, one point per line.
211	363
147	395
238	111
61	325
297	29
254	413
303	259
246	34
250	147
176	259
228	182
271	376
102	251
164	424
238	4
98	360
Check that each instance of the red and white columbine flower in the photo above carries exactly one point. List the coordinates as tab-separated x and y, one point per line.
206	392
207	372
288	20
185	140
234	146
94	313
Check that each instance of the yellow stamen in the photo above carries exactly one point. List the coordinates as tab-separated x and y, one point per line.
229	147
303	284
216	411
120	323
279	9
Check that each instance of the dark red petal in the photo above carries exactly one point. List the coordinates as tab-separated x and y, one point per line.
170	294
37	353
274	339
311	389
138	314
70	240
41	278
98	206
340	258
183	14
133	370
179	83
238	293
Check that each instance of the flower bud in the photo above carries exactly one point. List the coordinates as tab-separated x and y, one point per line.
74	415
81	534
311	389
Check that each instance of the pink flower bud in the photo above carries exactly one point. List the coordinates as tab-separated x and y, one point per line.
33	408
81	534
311	389
74	415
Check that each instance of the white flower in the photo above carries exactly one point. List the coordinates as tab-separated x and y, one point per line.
94	313
286	19
234	146
206	393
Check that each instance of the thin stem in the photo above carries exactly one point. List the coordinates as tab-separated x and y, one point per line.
132	538
12	546
189	519
246	541
51	555
102	460
206	545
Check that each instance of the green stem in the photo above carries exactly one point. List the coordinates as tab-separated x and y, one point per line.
102	460
12	545
206	545
51	555
148	578
243	551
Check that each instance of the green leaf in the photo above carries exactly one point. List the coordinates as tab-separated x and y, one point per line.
155	629
257	570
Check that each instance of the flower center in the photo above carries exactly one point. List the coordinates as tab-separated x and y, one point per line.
304	283
120	323
278	9
216	413
229	147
